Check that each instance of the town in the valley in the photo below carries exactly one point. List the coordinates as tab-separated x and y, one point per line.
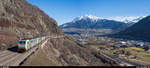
136	51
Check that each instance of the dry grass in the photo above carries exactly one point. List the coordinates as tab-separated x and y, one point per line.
138	52
38	59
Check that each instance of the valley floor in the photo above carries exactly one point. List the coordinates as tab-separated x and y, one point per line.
137	52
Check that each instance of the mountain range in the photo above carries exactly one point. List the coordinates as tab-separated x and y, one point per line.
139	31
91	24
127	19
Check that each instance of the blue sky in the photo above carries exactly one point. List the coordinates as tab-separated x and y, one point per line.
65	10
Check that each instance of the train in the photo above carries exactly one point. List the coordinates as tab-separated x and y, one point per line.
26	44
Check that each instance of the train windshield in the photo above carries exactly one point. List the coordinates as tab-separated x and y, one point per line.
21	42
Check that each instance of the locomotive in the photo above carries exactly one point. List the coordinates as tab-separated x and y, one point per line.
27	44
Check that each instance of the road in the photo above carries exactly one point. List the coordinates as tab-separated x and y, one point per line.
13	58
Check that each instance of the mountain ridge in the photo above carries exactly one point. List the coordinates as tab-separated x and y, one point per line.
89	23
88	20
124	19
139	31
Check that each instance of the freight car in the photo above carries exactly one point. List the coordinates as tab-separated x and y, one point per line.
27	44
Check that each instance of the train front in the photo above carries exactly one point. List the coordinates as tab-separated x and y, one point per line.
21	45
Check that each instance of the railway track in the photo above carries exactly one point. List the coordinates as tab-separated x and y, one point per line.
11	58
119	61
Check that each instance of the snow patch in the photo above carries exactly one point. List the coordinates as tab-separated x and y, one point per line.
87	16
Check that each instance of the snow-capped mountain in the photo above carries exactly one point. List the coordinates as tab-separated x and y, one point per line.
138	31
93	22
114	24
90	21
127	19
86	17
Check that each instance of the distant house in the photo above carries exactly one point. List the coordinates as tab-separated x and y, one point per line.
83	40
129	43
139	44
123	43
117	45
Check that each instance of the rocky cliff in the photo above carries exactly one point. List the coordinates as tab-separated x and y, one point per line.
19	20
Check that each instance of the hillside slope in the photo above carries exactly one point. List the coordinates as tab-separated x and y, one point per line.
19	20
139	31
64	52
